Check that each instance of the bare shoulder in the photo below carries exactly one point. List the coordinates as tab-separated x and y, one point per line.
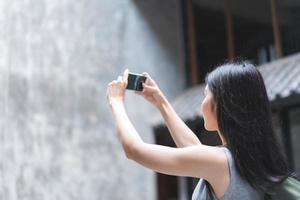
210	162
219	175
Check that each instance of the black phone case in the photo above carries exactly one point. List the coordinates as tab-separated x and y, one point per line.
135	82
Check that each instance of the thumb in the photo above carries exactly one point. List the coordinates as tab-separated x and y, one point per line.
138	92
149	88
125	75
149	80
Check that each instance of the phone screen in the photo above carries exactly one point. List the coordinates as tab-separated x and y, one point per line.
135	81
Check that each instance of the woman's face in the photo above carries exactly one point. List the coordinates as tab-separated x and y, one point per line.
208	111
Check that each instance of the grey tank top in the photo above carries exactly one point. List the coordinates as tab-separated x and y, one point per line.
238	188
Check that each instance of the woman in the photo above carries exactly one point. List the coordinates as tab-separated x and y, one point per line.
237	107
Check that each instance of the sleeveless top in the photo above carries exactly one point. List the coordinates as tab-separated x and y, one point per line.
238	188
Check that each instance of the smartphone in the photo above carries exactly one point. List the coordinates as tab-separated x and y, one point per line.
135	81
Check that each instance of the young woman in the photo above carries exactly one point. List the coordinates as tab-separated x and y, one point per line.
237	107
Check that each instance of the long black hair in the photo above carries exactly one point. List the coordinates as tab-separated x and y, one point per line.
244	120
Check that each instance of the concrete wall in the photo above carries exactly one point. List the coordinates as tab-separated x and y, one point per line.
57	137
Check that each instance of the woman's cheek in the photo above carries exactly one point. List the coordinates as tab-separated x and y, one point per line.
205	115
204	108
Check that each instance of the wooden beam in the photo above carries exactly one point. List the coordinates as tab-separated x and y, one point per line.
276	28
192	46
229	29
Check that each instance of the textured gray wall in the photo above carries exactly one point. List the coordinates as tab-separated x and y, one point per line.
57	137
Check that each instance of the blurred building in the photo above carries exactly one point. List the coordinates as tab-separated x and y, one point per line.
263	32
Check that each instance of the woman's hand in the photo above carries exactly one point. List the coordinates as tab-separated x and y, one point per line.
151	92
116	89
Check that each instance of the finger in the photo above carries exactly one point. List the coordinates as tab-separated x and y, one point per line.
149	88
125	75
149	80
119	78
138	92
111	83
145	74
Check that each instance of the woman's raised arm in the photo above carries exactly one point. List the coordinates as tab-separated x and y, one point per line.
196	161
182	135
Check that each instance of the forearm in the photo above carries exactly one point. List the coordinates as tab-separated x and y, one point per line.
182	135
126	131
